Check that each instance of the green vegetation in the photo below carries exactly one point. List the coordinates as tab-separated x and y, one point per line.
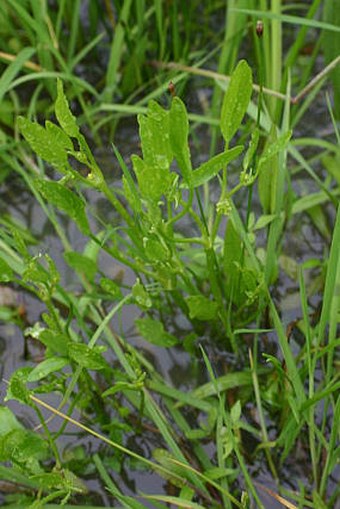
197	247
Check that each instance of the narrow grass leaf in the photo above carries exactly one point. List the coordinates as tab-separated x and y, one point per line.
13	69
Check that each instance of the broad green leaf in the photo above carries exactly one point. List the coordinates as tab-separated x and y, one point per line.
65	200
211	168
60	137
54	341
154	135
8	421
153	331
152	182
43	143
35	272
47	367
111	287
201	307
63	113
24	448
86	357
155	250
6	273
141	296
178	131
17	386
81	264
236	100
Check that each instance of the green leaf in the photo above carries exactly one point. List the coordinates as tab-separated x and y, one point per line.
141	296
236	100
81	264
36	273
47	367
211	168
154	135
156	250
264	221
65	200
164	457
63	113
274	148
43	143
152	182
8	421
54	341
330	45
17	386
153	331
60	137
6	273
268	171
249	157
235	413
24	448
111	287
178	132
86	357
201	307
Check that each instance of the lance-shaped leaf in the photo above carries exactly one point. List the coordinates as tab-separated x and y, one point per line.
211	168
236	100
63	113
178	131
65	200
43	142
154	135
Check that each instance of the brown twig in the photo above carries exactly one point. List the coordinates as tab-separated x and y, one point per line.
8	57
222	77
